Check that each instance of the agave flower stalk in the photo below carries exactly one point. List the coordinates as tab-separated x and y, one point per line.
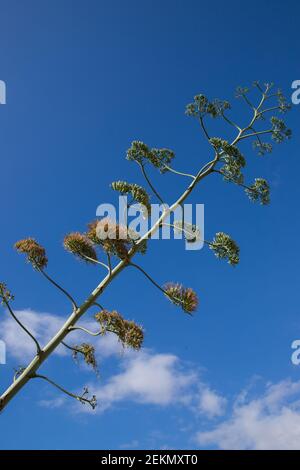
225	158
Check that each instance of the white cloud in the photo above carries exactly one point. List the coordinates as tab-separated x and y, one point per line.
271	421
145	376
211	404
164	380
53	403
43	326
148	378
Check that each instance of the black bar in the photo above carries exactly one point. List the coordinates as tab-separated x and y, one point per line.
138	458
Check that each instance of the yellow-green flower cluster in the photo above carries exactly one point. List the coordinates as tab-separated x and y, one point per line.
138	193
201	106
233	160
225	248
141	153
280	131
259	191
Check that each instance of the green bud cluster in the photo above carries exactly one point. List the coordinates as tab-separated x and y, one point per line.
142	154
226	148
262	147
233	160
138	193
201	106
225	248
284	106
259	191
280	132
241	91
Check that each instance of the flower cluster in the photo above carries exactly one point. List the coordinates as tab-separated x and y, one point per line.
142	154
138	193
5	295
80	246
201	106
190	231
128	332
259	191
185	297
231	170
280	132
233	160
115	239
220	106
111	236
88	352
284	106
36	254
225	248
262	147
224	147
241	91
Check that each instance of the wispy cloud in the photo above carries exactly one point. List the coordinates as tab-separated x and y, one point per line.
44	326
145	377
211	403
270	421
162	380
148	378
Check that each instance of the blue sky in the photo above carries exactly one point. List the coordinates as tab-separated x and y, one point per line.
84	79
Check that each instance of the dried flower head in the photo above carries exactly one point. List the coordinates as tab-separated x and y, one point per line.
185	297
225	248
128	332
114	238
259	191
88	352
80	246
5	295
36	254
108	228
